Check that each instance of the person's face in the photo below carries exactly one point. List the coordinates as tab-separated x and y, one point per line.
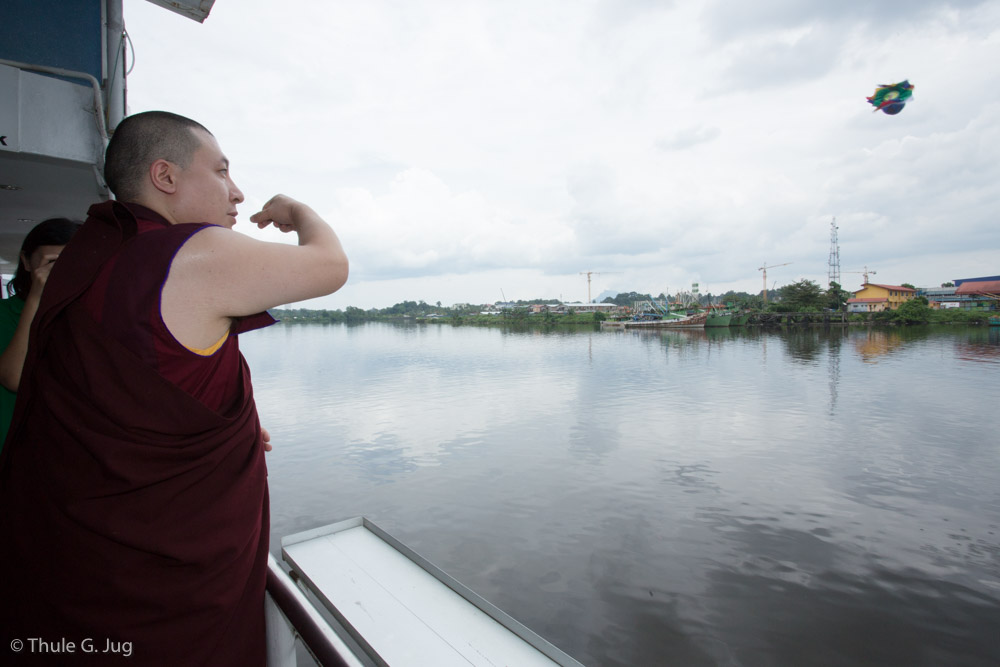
206	191
42	255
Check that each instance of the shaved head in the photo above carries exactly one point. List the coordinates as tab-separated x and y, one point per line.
142	139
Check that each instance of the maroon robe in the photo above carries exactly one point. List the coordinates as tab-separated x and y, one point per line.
130	511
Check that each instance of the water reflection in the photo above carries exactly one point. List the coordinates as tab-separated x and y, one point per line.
849	619
875	343
745	497
836	341
803	344
981	345
720	333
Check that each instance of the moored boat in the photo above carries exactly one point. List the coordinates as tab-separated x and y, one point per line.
680	322
718	319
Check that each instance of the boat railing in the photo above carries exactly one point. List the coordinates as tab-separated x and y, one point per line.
95	85
290	615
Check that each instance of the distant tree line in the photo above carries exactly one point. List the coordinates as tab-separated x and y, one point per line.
804	296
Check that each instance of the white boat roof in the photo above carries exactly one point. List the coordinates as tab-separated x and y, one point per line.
403	610
192	9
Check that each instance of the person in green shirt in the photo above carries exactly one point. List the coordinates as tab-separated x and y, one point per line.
40	249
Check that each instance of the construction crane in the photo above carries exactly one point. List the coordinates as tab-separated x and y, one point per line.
764	269
865	273
593	273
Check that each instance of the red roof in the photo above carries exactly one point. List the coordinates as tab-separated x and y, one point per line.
895	287
856	300
979	287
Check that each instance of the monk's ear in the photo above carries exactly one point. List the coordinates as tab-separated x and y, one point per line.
163	176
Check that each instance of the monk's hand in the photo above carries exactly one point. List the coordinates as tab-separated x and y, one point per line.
280	211
265	436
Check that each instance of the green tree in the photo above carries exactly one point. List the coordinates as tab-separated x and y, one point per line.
405	308
914	311
908	285
353	314
836	297
627	298
802	296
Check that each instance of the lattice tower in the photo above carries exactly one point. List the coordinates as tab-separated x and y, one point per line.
833	272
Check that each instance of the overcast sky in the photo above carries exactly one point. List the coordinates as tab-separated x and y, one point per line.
467	149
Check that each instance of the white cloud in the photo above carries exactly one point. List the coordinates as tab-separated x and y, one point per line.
462	147
421	227
688	138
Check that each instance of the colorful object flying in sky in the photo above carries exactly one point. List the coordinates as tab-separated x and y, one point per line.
892	98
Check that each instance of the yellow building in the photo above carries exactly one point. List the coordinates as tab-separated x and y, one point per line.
874	298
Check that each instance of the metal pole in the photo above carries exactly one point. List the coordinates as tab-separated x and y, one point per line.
114	83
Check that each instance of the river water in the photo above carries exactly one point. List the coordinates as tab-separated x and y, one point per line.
732	497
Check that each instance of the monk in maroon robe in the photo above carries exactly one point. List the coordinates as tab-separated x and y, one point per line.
133	488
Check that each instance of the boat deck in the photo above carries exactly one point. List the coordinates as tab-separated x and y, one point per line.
401	609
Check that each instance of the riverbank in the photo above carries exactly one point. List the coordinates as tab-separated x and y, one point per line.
519	318
302	316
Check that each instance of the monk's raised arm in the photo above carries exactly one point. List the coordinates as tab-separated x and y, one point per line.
220	274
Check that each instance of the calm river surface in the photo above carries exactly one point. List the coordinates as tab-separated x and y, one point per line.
806	497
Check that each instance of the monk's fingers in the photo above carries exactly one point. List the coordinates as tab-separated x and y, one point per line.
278	211
273	201
260	216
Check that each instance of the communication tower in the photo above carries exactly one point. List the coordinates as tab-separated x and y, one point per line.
833	273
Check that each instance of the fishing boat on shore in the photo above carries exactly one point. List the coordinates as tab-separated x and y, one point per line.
681	322
720	318
739	319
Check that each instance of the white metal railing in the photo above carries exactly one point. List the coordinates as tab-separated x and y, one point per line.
290	615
